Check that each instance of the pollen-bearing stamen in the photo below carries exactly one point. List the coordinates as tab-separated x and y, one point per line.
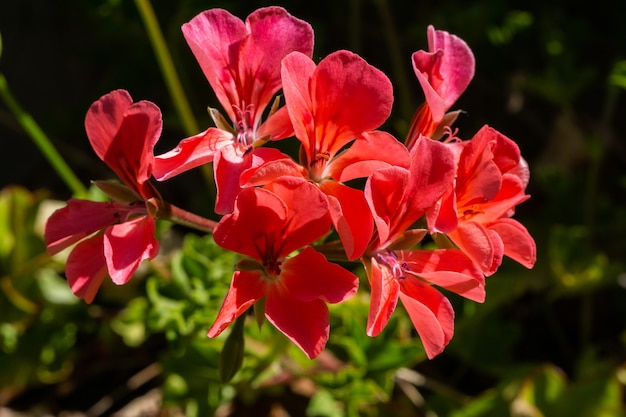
390	259
245	128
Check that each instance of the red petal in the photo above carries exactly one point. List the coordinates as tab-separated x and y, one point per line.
351	217
79	219
86	268
503	204
270	168
349	97
274	33
296	73
308	217
104	119
374	150
445	71
518	243
482	162
447	268
309	276
457	68
242	62
384	291
130	151
431	173
427	67
246	288
476	242
228	167
127	244
256	222
431	314
307	324
277	125
442	217
385	195
213	37
190	153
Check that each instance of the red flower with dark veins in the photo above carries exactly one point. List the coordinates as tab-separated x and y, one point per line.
269	227
241	61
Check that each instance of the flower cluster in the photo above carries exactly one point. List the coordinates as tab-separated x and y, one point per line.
434	211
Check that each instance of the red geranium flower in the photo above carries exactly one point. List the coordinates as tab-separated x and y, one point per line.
398	197
475	212
333	107
241	61
123	135
268	226
444	72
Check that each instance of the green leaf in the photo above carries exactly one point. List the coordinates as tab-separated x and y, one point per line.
323	404
231	358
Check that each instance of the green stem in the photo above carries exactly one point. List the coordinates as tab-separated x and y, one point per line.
167	67
41	140
170	75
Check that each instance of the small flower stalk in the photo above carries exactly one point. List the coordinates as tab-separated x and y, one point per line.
287	215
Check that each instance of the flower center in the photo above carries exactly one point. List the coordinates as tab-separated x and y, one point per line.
244	126
132	211
318	165
390	259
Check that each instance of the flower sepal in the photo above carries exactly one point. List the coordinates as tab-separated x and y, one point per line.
259	312
220	121
408	239
116	191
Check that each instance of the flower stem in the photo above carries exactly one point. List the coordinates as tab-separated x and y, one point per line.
167	66
41	140
188	219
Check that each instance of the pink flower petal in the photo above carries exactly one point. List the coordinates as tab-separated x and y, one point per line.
351	217
349	97
518	243
213	37
374	150
246	288
228	166
432	171
296	73
127	244
270	169
242	61
191	153
334	103
86	268
445	71
277	125
77	220
431	314
309	276
447	268
307	324
384	291
274	33
385	194
129	152
308	218
104	119
479	244
255	223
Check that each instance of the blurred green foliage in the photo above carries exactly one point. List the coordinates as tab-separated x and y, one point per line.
548	342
